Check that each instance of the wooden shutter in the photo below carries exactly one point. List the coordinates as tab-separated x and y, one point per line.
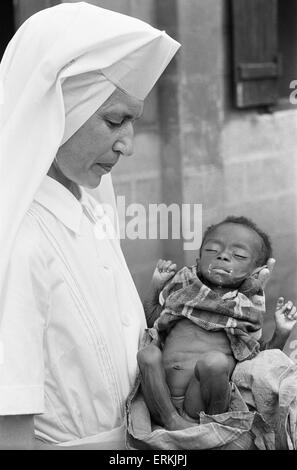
255	52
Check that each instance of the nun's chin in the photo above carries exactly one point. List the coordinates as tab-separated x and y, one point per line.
92	182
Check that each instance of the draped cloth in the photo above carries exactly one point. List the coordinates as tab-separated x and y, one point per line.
240	428
60	66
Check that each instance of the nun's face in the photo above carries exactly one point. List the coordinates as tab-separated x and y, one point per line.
97	146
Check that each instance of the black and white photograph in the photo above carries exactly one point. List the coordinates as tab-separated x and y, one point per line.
148	227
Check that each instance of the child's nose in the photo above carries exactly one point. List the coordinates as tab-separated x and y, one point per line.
224	255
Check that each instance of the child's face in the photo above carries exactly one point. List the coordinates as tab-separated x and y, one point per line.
229	254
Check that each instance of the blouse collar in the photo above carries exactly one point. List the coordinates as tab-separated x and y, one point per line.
61	203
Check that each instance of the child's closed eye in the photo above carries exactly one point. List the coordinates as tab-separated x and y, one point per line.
240	256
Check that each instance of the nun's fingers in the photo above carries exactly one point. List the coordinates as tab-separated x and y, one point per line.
264	276
265	273
270	264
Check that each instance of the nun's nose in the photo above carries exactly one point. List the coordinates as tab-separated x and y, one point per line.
124	144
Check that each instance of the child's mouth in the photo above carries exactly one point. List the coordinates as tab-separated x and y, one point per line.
219	270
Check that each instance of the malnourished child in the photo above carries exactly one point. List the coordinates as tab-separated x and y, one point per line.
211	317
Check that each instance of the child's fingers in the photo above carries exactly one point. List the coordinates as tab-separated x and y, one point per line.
160	263
288	307
165	265
292	315
280	303
173	267
289	310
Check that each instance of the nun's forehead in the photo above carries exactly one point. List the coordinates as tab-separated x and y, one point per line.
122	102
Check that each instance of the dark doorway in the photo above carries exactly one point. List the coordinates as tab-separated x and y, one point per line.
7	27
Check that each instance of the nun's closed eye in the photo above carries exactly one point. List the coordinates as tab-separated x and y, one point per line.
113	124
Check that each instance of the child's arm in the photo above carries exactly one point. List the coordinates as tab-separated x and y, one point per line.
164	271
285	319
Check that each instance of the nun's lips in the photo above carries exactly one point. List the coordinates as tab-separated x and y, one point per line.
106	167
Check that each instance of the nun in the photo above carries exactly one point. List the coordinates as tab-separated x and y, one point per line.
73	80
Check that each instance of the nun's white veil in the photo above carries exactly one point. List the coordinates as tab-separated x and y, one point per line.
60	66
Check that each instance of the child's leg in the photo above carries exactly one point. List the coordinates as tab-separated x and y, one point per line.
193	402
215	369
210	389
156	391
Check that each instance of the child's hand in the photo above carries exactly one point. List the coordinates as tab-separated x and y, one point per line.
285	316
164	271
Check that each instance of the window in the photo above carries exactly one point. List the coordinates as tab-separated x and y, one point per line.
264	39
287	33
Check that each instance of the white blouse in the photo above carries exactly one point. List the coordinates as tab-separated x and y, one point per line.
72	320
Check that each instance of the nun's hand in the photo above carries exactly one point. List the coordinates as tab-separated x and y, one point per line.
265	273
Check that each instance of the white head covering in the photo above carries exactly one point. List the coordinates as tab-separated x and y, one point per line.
60	66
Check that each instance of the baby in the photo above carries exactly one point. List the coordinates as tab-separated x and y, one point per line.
211	317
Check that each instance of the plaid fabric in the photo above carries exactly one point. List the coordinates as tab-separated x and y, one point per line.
238	312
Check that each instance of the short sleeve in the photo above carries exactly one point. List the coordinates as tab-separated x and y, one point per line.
25	306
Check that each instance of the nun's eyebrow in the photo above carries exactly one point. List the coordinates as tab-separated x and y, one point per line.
123	114
133	116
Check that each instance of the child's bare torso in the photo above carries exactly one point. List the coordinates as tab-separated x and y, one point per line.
183	346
